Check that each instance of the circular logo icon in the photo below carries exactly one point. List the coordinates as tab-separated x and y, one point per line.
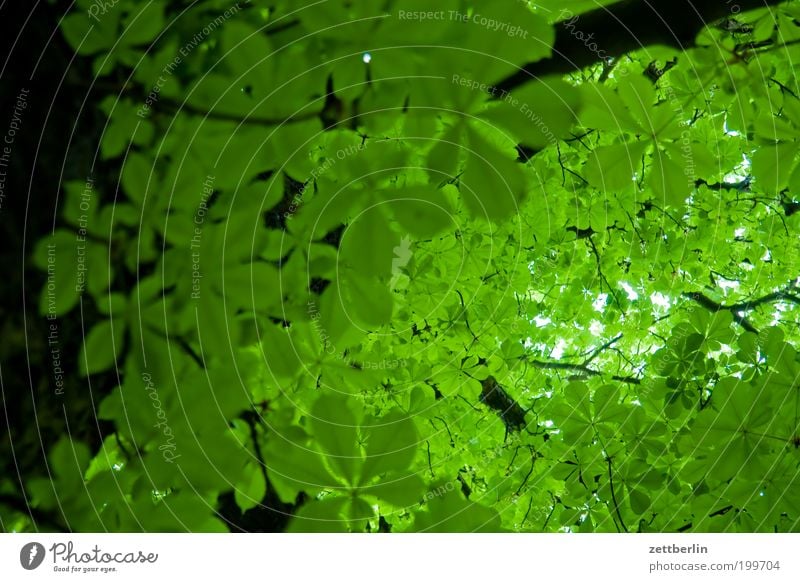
31	555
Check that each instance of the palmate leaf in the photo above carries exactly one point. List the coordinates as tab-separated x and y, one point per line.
581	414
733	428
388	450
294	466
715	328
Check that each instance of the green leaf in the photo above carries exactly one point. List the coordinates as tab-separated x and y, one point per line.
368	300
293	466
639	500
604	109
443	159
539	113
615	167
101	347
492	186
772	166
335	429
68	460
325	516
253	489
402	490
137	174
421	211
391	445
281	354
143	25
254	287
669	182
56	256
452	513
334	319
510	33
93	30
638	95
368	244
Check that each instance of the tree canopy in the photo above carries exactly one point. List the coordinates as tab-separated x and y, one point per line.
387	266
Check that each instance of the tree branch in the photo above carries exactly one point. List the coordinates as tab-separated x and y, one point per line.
582	369
714	306
602	348
624	27
614	495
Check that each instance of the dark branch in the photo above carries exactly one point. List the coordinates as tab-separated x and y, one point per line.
741	186
614	495
713	306
466	316
624	27
583	370
737	308
601	349
495	397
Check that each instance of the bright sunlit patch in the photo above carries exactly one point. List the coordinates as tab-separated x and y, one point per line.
596	328
558	351
632	295
541	321
730	132
739	173
659	299
599	304
367	58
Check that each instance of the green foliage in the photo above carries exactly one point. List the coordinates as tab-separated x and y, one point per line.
337	245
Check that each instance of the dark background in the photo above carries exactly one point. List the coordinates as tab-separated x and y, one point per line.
36	57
